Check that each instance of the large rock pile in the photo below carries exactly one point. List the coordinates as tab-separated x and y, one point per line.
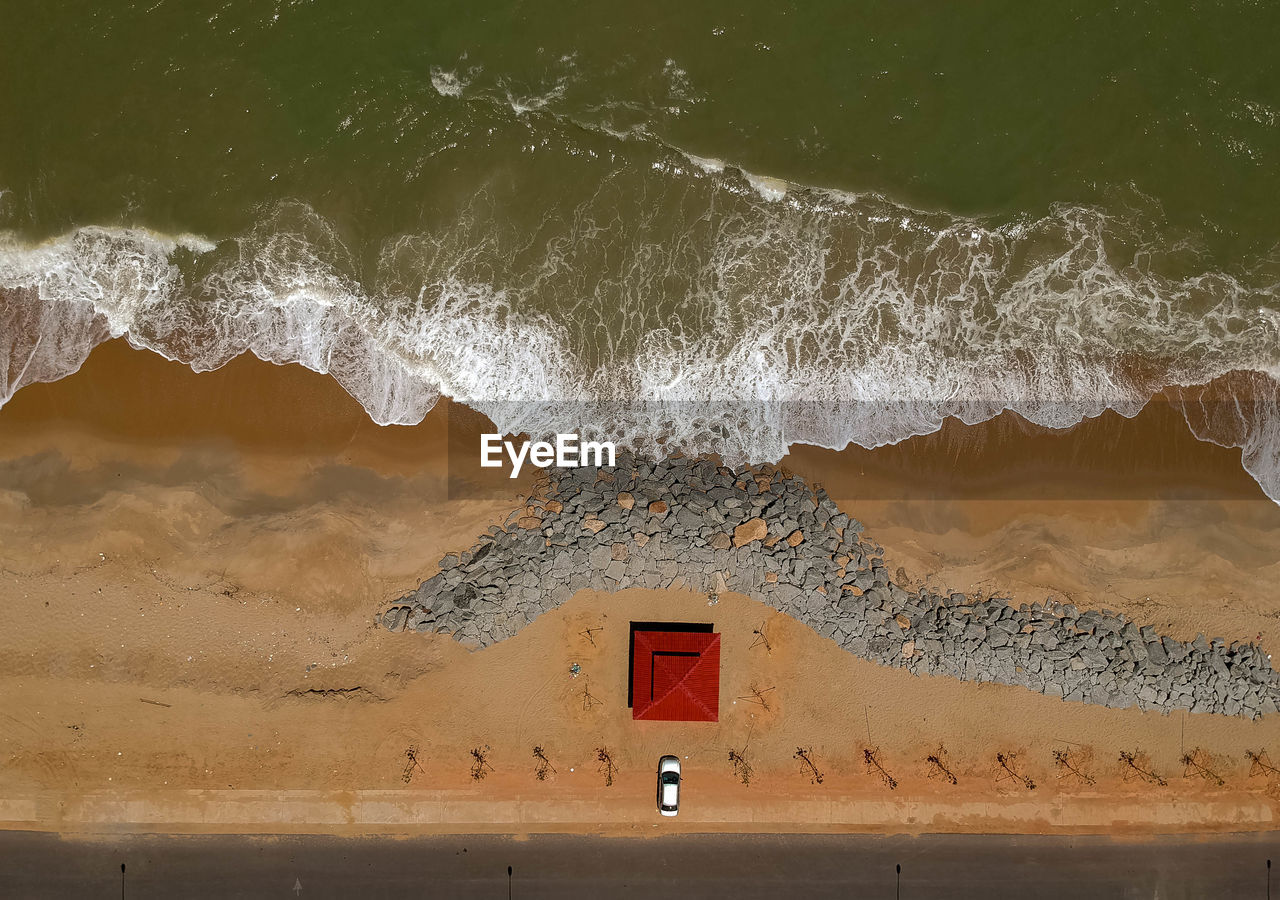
691	523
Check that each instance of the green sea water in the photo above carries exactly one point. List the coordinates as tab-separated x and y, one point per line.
189	116
720	226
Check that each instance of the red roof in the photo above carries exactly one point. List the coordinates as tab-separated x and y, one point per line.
675	676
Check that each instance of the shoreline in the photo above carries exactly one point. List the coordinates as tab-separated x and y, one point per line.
266	408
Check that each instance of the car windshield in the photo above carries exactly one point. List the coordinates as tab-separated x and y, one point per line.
670	778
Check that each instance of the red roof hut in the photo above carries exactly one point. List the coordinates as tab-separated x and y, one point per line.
675	676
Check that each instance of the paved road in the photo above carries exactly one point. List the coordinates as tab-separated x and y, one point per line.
739	867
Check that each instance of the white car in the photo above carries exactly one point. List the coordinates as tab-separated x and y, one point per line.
669	785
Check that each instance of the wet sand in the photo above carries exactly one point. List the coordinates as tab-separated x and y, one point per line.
192	566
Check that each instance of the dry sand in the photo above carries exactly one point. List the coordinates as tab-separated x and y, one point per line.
191	565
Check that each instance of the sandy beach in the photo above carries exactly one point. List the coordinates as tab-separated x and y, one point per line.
193	566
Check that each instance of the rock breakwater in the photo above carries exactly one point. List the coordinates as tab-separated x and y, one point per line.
690	523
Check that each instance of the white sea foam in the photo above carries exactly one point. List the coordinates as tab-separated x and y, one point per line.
826	320
447	83
522	104
771	189
679	88
706	164
275	301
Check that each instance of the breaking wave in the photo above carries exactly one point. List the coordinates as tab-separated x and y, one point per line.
761	314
